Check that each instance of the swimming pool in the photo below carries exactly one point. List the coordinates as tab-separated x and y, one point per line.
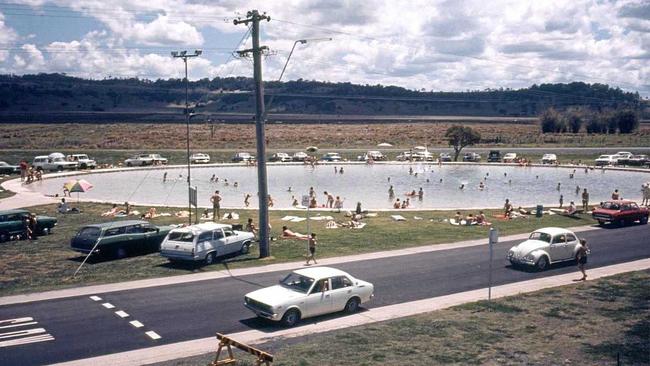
369	184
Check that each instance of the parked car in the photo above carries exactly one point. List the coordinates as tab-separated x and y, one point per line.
638	160
280	157
119	238
545	247
331	156
300	156
421	153
199	158
157	159
54	162
205	242
510	158
83	160
139	160
604	160
309	292
12	222
404	156
444	157
5	168
549	159
494	156
242	156
622	157
620	212
374	155
472	157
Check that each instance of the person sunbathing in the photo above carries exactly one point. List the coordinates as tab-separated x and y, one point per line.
151	213
112	212
288	234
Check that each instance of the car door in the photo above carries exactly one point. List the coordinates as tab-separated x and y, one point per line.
341	291
205	244
219	241
134	238
558	248
231	241
319	300
571	243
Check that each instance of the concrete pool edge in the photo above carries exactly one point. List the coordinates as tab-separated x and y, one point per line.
25	197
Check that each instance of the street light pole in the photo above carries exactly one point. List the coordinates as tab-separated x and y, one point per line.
184	55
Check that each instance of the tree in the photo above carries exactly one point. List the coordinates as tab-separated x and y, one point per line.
573	121
627	121
550	120
460	136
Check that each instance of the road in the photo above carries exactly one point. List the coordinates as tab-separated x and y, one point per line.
78	327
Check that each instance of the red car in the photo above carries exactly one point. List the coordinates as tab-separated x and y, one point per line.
620	212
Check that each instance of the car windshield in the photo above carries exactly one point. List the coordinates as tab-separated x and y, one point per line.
181	236
297	282
89	233
540	236
611	206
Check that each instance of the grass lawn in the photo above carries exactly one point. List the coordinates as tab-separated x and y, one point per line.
584	324
48	263
4	193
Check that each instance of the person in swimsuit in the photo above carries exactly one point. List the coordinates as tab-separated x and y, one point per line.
581	258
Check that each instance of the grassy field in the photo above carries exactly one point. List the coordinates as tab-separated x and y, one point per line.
48	263
590	323
285	136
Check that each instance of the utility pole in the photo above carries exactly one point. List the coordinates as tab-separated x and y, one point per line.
184	55
254	18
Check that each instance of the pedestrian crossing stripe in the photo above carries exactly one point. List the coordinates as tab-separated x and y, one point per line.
10	336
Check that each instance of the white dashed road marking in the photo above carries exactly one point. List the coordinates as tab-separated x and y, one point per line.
153	335
136	324
121	314
95	298
108	305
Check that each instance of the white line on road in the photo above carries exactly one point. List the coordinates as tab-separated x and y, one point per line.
121	314
96	298
21	333
18	322
136	324
108	305
153	335
27	340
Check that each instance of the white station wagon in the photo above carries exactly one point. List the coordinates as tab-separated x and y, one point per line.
309	292
544	247
205	242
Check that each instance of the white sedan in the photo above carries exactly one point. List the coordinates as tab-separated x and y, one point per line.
199	158
544	247
309	292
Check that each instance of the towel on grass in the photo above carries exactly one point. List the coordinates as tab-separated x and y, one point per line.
398	217
319	218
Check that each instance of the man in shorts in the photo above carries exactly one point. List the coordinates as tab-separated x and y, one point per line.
312	249
216	205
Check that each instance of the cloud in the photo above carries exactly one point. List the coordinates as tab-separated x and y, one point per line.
640	11
164	31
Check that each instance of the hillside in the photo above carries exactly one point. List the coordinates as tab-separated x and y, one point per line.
61	98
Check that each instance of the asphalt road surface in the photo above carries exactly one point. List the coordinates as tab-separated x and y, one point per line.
81	327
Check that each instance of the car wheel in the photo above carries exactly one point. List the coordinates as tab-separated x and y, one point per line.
542	263
129	164
59	168
245	248
210	258
644	220
45	231
290	318
4	236
601	223
352	305
84	166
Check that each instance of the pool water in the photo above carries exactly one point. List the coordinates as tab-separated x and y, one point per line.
369	184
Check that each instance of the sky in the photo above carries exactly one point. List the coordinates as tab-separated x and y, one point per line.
427	45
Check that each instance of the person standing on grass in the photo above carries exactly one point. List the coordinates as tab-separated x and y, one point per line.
585	200
216	205
581	258
23	170
312	249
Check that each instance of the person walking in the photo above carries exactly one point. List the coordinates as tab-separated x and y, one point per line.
581	258
585	201
23	170
312	249
216	205
645	189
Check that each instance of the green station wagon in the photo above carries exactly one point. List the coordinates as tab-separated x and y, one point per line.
119	238
12	222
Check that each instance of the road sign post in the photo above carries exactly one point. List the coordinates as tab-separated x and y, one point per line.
193	202
493	239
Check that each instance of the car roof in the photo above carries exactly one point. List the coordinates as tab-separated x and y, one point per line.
15	211
553	230
105	225
206	226
320	272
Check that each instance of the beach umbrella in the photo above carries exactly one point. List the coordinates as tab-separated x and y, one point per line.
384	144
78	185
311	149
